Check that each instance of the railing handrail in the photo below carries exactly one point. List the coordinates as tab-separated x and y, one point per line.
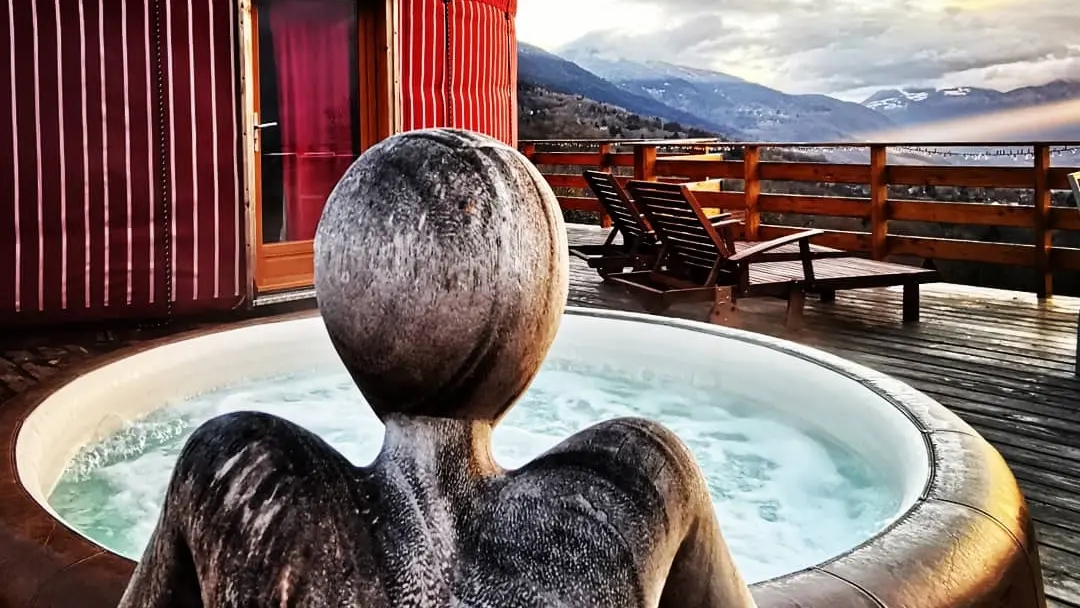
811	144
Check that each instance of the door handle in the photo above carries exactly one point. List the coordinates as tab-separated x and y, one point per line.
257	128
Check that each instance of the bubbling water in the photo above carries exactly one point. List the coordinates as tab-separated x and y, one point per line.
785	499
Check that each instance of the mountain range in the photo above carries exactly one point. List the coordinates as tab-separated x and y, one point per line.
758	111
910	107
741	110
539	67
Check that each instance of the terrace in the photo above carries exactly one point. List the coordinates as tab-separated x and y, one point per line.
1004	360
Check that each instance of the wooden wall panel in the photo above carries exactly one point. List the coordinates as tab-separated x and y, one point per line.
459	66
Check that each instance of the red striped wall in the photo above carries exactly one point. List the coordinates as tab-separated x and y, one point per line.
120	159
120	178
459	66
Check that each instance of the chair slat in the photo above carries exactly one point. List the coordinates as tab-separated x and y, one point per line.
688	224
624	214
678	224
678	233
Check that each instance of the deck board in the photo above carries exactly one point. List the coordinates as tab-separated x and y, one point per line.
1003	361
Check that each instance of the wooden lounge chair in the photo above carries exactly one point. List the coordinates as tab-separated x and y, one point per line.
700	261
638	247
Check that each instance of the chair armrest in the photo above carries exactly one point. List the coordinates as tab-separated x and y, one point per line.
760	248
720	223
720	217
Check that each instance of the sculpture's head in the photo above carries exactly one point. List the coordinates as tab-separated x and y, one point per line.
441	273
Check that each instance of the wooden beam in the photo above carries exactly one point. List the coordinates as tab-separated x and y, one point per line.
1059	177
580	203
1065	218
972	177
1065	258
838	239
604	162
833	206
972	214
751	191
698	168
816	172
645	162
711	199
566	180
969	251
382	31
605	152
1045	286
584	159
879	200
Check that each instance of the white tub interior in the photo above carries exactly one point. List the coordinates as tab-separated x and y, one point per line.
807	394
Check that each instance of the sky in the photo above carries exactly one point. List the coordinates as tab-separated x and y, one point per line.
845	48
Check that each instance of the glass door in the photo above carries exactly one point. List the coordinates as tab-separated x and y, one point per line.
309	109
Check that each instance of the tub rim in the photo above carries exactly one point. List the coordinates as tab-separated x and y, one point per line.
81	557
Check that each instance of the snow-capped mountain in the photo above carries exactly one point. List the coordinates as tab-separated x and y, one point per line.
540	67
730	106
610	65
756	110
908	106
663	69
917	106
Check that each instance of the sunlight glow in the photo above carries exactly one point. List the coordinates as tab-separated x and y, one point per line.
552	23
988	127
979	5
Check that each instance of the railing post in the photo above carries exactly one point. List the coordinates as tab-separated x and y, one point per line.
752	190
1045	286
605	165
645	163
879	202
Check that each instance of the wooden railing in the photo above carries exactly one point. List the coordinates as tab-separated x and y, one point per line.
878	210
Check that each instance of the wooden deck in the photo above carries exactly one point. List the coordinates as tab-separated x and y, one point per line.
1001	360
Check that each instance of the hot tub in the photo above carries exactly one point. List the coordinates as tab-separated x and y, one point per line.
834	485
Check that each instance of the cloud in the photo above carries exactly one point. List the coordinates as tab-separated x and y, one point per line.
849	47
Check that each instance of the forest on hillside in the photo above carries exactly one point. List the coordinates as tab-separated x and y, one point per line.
544	114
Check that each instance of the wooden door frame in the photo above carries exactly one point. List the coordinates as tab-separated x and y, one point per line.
287	266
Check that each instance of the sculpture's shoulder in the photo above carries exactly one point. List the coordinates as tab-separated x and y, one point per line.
636	475
625	451
591	521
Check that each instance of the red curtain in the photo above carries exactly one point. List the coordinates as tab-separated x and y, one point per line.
313	53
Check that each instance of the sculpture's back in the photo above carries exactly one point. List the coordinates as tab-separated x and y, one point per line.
441	273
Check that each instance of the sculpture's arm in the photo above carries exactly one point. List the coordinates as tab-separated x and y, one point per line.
702	571
193	513
251	496
165	576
